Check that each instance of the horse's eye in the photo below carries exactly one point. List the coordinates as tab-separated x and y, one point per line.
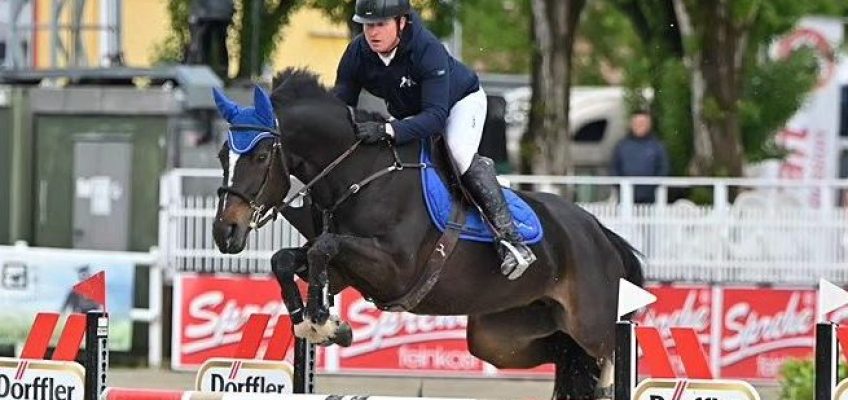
262	157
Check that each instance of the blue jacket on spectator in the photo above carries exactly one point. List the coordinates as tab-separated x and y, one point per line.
640	156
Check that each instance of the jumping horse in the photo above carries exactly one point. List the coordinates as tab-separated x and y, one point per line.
367	227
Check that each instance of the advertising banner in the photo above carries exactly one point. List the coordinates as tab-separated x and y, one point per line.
210	312
811	135
762	328
688	306
31	282
746	332
397	342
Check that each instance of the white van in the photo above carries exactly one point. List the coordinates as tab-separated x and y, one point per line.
598	119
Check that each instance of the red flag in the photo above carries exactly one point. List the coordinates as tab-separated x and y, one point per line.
93	288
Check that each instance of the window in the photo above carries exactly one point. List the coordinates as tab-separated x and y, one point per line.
591	132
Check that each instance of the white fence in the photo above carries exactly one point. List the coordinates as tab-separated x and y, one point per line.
185	228
767	234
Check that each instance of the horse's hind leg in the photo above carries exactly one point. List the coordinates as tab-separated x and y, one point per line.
513	338
576	371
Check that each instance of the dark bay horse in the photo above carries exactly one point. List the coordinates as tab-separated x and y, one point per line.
379	237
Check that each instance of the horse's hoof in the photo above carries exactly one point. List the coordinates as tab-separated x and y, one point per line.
302	330
344	335
321	334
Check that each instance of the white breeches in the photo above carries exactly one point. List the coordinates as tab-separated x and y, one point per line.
464	129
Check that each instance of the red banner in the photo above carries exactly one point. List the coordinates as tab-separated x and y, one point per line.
684	306
398	342
210	313
747	333
762	328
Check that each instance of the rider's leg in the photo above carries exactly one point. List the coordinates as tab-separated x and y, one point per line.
463	132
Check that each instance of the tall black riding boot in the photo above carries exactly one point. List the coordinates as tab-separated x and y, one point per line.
481	181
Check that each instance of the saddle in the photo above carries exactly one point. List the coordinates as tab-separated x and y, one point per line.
442	186
450	209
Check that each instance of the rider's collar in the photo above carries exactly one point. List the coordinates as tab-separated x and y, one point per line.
388	59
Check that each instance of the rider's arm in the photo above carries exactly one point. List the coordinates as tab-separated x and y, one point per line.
347	86
435	98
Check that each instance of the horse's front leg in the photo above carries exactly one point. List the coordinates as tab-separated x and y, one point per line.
323	329
285	264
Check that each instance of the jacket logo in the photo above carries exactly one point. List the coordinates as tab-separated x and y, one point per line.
406	82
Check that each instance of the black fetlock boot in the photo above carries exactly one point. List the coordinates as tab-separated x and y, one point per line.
481	182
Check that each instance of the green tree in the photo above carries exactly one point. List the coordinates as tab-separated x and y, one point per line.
718	102
496	35
265	19
546	145
171	50
723	40
257	25
657	64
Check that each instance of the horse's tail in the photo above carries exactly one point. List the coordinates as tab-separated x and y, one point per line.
629	256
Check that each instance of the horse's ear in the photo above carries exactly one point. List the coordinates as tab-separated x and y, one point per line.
226	107
262	104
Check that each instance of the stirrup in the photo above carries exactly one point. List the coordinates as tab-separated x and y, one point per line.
523	263
514	263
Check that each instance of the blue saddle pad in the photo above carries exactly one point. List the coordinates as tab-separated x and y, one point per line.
438	200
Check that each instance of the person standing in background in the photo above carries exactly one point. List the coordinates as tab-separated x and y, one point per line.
640	153
208	23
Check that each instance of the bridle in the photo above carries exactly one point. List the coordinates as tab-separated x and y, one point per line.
262	214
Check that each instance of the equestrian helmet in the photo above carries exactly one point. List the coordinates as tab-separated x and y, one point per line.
370	11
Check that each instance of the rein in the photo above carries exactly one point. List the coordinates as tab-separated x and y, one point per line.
261	215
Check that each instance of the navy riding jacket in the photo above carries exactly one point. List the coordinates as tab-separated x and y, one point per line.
422	81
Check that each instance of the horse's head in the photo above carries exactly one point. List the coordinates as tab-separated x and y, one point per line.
256	176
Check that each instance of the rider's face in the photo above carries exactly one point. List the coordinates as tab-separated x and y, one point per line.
383	36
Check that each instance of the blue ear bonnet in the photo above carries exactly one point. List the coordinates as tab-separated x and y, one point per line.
249	125
243	141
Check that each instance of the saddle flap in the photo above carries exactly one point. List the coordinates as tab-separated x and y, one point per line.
440	156
438	197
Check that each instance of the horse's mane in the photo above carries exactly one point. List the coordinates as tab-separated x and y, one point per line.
293	84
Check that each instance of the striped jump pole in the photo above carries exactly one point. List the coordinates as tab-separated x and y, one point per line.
132	394
830	337
96	363
697	378
827	360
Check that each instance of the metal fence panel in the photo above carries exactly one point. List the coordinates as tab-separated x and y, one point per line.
764	235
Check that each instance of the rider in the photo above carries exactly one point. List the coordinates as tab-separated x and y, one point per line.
429	92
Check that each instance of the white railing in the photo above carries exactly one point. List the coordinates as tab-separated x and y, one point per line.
185	229
767	234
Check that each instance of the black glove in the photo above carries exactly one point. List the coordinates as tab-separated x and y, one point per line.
371	131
